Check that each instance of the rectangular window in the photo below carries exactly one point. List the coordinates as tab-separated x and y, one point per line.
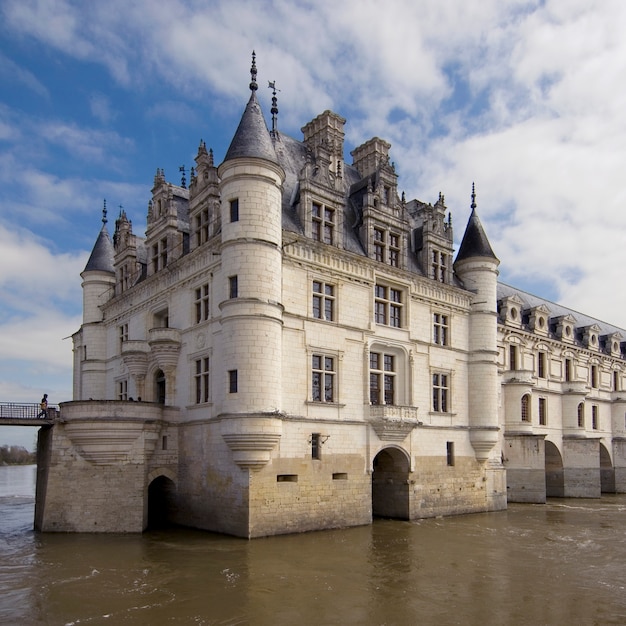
159	255
322	378
123	335
594	376
382	378
450	453
542	412
388	306
581	415
201	303
615	380
440	393
232	381
541	365
122	390
201	378
323	301
322	223
394	250
594	417
439	266
440	329
233	287
201	229
234	210
164	442
568	370
379	245
316	446
512	357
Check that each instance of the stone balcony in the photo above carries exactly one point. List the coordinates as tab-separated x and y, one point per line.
165	346
392	422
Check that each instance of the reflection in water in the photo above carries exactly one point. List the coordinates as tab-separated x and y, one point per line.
534	564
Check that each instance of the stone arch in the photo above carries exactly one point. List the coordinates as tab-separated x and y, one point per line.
160	502
390	483
555	481
607	471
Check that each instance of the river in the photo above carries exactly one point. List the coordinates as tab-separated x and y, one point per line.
559	563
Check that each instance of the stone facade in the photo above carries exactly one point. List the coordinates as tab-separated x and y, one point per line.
294	346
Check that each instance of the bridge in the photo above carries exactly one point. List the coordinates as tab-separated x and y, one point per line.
14	414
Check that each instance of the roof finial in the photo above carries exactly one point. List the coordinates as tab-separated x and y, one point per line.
473	205
274	110
104	212
183	180
253	85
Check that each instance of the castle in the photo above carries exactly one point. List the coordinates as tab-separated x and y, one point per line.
295	346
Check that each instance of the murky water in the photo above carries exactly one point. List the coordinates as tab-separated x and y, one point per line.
560	563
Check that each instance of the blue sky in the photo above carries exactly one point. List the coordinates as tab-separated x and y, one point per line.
526	98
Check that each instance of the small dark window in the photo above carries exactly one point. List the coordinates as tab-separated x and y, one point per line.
340	476
164	442
232	381
234	210
233	287
450	453
287	478
316	446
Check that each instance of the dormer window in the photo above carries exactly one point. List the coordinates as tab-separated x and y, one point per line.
439	266
322	223
159	255
387	247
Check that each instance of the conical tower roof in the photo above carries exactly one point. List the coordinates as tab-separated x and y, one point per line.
475	242
252	138
103	253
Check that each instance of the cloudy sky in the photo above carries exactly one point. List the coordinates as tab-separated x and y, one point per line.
526	98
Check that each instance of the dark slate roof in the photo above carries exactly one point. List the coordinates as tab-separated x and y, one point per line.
556	310
101	259
252	138
475	242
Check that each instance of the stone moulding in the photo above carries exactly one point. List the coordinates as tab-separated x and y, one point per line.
113	443
251	450
393	423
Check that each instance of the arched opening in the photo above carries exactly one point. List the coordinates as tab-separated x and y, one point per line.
555	482
159	387
160	503
607	471
390	484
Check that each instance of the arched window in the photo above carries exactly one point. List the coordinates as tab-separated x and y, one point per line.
159	387
525	407
581	415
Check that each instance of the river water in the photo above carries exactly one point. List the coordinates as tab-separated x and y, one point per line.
563	563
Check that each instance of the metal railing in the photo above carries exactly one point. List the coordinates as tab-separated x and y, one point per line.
14	410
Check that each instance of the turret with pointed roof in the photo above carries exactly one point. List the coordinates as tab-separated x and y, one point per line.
475	242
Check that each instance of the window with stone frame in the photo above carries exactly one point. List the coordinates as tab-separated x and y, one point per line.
201	227
387	247
323	301
123	277
159	255
233	287
594	376
441	392
122	389
594	417
439	266
122	334
322	223
512	357
382	378
616	385
525	408
388	303
233	386
568	370
440	329
580	414
201	303
234	210
323	378
201	380
543	412
542	365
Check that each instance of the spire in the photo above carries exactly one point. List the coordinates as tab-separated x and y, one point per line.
102	255
475	242
272	85
252	138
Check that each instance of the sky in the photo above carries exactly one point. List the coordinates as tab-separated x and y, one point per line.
524	98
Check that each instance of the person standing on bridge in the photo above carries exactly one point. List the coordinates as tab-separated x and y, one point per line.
43	405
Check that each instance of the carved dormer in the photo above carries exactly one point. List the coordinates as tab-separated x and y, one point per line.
563	326
612	343
433	238
323	136
538	319
590	336
167	230
510	310
204	199
127	267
